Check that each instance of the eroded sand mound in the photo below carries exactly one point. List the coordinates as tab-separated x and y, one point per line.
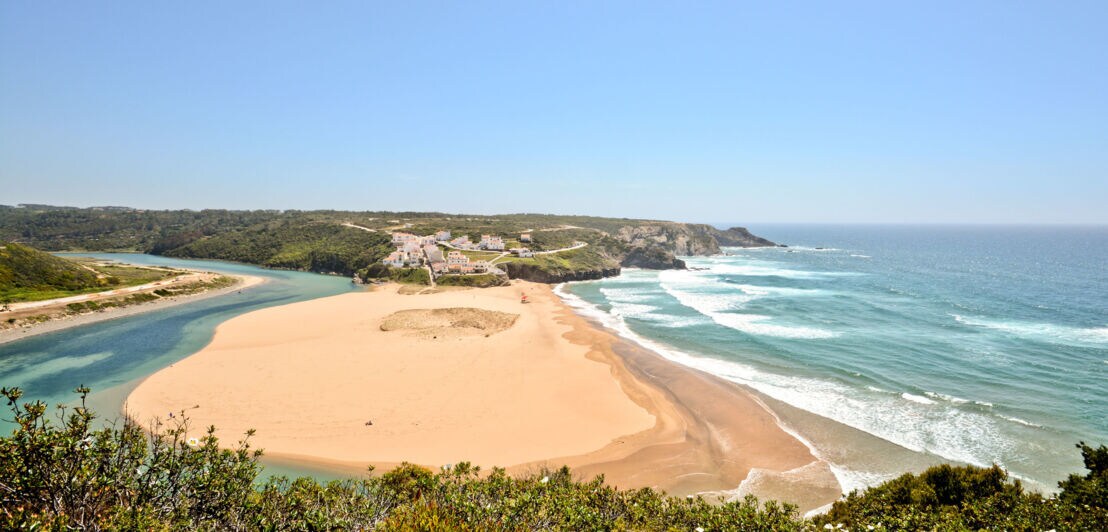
442	322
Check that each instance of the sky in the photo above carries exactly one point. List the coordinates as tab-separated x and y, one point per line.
828	112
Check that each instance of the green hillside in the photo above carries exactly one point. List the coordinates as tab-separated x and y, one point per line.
26	272
318	247
325	241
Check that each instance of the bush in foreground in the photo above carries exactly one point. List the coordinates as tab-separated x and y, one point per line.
67	475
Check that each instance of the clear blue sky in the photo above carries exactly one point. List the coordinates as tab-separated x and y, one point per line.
698	111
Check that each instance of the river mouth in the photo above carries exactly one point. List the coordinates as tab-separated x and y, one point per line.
111	357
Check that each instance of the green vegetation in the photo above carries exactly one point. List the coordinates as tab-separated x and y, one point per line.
69	474
318	241
83	307
381	272
120	275
27	274
315	247
472	254
974	498
484	280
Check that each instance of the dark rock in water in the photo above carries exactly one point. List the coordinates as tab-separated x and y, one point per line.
819	248
782	245
652	258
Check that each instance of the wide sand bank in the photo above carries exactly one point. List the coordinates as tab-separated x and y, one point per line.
533	384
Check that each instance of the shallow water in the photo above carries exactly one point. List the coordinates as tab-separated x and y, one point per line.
112	356
976	344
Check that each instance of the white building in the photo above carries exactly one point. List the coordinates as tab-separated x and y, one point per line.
399	239
456	257
492	243
442	236
395	259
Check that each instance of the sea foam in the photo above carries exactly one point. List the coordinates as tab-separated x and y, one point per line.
915	422
722	303
1042	332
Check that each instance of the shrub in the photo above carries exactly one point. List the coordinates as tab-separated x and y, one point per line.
69	475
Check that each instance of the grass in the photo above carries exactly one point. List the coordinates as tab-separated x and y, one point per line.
473	255
513	258
480	280
99	276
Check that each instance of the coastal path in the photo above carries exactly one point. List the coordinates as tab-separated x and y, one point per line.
355	226
577	245
61	301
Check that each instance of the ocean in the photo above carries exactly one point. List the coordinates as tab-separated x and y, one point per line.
974	345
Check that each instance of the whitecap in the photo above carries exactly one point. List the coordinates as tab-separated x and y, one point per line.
947	398
945	430
722	308
778	291
917	399
752	270
627	295
1023	422
1042	332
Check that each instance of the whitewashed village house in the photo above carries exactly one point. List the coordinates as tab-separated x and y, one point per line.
492	243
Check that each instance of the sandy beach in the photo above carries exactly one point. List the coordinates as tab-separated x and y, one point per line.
475	375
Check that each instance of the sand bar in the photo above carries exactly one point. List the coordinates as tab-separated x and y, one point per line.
547	389
63	322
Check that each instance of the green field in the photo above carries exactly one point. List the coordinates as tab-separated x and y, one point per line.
473	255
477	281
27	274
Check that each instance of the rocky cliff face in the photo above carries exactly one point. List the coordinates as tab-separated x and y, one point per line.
739	237
652	258
653	245
687	239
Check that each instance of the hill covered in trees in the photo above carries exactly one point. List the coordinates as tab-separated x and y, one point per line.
69	474
345	242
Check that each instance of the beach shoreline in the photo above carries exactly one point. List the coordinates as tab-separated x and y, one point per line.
578	395
61	323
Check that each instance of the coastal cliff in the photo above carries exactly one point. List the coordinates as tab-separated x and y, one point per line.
684	239
652	258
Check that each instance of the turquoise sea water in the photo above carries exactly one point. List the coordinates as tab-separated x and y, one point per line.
112	356
975	344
